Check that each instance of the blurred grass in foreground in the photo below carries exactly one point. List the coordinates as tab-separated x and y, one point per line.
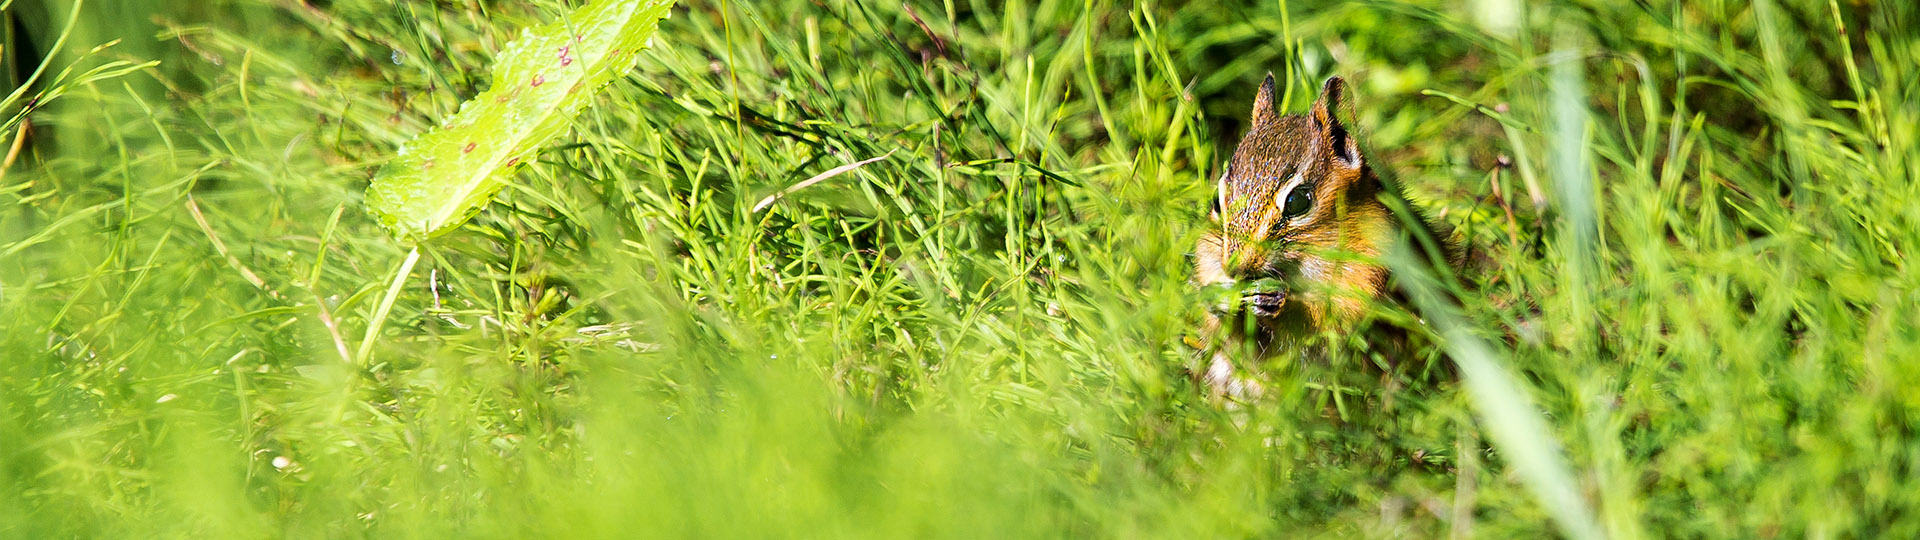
979	335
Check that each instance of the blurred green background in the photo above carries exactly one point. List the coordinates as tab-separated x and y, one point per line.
1687	226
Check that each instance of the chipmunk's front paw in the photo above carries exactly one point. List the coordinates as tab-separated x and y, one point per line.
1228	385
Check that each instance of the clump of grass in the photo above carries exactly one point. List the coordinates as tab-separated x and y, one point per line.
1693	267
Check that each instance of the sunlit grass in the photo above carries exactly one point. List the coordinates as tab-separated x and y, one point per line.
1686	229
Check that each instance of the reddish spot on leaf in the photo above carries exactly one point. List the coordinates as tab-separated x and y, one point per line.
469	148
512	162
539	80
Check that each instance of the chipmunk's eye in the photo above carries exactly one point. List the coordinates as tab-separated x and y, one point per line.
1299	201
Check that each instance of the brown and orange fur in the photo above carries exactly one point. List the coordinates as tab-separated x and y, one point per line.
1326	252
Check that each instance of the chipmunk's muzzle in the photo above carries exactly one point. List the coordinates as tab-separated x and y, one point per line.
1261	299
1264	304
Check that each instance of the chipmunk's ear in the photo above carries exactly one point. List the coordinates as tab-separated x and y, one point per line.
1264	102
1330	130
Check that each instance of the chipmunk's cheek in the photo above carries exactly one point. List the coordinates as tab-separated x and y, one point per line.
1208	272
1316	270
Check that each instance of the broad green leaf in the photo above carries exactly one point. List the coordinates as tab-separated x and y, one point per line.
540	81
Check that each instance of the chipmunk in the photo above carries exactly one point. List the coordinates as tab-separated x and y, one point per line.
1297	230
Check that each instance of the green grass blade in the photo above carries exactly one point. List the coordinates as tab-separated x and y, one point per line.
1518	430
540	81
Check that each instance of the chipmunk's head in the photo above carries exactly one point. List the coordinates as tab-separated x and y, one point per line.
1297	225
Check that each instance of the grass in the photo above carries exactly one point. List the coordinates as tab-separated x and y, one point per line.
1687	225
